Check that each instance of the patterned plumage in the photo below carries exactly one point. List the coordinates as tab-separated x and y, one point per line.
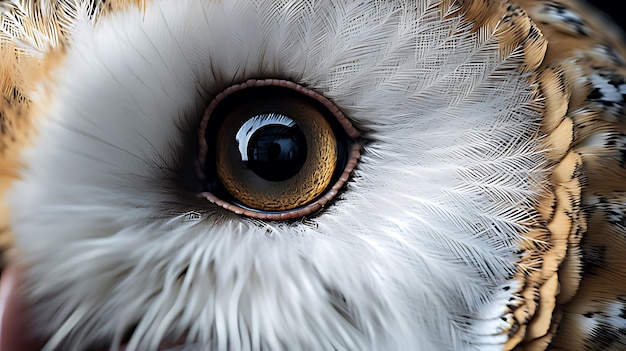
586	56
487	210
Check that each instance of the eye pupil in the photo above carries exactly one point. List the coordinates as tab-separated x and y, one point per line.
276	152
273	152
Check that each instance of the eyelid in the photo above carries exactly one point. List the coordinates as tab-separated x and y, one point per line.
340	175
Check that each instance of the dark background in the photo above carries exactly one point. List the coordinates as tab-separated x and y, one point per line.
614	9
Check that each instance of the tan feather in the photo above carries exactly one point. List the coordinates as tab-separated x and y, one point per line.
593	268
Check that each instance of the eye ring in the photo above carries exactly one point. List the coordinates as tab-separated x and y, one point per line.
213	137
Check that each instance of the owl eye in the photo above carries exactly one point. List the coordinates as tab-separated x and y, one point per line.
273	149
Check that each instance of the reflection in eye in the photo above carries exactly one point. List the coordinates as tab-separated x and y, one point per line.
272	149
272	146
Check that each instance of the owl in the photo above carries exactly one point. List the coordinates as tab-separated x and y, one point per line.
312	175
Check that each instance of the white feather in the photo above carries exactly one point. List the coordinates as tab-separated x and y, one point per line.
419	245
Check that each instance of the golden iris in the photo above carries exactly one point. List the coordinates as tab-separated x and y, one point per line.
275	154
274	151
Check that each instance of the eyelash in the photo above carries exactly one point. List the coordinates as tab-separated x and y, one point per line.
194	181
